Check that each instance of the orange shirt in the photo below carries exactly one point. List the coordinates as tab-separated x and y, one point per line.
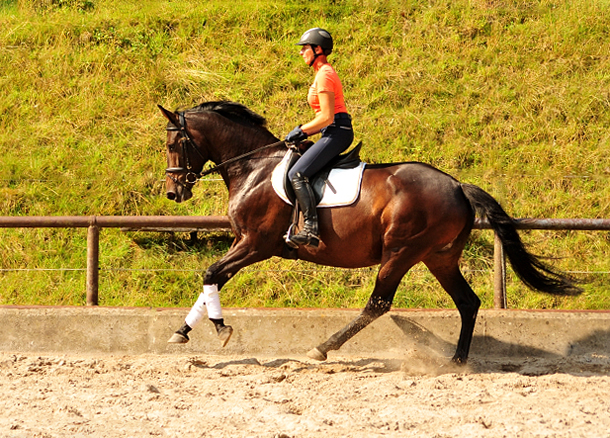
326	79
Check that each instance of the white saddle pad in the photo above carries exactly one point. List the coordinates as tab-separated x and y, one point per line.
343	186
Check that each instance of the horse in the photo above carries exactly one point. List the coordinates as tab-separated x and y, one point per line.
406	213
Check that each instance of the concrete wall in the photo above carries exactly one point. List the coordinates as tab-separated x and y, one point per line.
294	331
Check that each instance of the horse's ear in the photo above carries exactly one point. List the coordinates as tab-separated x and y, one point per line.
169	115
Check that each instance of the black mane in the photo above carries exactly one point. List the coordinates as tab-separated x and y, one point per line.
233	111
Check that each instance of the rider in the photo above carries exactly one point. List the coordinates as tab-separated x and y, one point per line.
331	120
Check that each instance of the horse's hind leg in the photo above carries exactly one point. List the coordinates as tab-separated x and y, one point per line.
380	302
373	310
448	274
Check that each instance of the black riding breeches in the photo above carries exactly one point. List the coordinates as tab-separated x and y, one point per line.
336	138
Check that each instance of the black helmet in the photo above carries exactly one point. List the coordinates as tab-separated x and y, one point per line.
317	37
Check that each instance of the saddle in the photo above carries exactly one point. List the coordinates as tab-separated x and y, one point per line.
345	172
321	181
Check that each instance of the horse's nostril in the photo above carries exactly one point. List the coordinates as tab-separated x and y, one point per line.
171	196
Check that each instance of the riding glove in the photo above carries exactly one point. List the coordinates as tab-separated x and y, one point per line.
296	135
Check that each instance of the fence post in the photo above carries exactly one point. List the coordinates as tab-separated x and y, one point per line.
499	274
93	256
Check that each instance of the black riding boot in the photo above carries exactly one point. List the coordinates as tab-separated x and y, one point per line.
306	199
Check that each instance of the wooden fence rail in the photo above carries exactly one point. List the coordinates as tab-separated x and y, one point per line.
203	223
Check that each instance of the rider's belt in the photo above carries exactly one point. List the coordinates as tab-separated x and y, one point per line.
341	121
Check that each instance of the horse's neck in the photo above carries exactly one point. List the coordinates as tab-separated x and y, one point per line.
232	139
239	140
252	169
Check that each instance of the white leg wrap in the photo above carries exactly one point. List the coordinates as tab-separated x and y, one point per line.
196	312
210	299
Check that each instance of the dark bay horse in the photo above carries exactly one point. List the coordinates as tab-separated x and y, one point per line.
406	213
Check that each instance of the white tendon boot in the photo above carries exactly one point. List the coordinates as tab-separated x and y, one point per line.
208	300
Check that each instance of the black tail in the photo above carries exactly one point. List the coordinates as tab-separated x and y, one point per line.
533	272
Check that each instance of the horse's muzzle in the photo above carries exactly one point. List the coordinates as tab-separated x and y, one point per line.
176	189
180	195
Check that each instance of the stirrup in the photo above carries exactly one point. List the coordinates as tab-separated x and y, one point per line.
308	239
289	235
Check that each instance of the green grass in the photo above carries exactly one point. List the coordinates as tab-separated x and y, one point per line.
513	96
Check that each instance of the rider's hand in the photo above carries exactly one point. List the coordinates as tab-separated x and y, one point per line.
296	135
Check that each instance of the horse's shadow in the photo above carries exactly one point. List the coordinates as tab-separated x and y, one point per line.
588	355
295	365
429	355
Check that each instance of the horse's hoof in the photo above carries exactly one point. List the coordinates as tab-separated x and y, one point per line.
316	354
458	361
224	334
177	338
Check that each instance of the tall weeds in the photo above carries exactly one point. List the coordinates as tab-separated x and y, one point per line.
509	95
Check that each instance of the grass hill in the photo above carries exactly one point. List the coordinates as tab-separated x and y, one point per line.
513	96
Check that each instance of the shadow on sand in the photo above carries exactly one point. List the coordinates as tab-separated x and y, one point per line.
429	355
588	355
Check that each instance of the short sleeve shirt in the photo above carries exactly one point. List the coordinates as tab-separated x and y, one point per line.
327	80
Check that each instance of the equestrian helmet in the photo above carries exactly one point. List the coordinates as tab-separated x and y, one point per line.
317	37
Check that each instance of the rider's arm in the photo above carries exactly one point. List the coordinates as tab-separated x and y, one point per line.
326	115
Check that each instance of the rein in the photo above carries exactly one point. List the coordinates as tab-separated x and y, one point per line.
239	157
191	175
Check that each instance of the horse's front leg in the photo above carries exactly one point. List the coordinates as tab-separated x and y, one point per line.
240	255
208	302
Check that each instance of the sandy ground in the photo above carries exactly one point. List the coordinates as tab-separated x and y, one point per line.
220	396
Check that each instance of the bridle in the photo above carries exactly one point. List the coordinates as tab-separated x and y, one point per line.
191	175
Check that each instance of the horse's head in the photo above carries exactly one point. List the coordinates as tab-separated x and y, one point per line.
185	159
